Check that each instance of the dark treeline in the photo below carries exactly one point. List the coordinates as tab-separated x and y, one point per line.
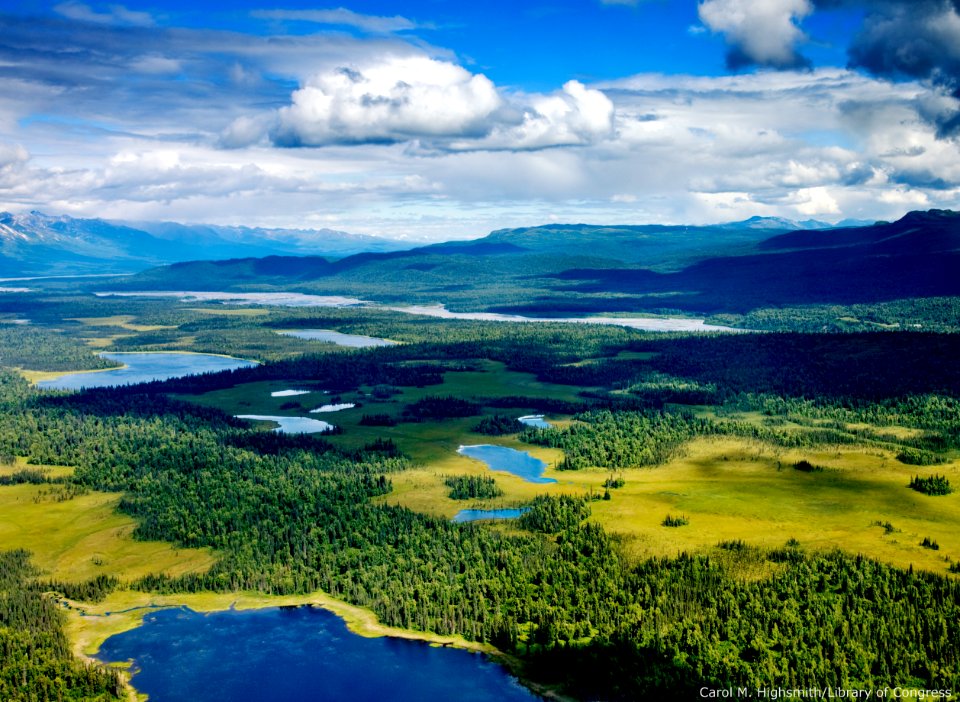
822	621
36	663
621	439
549	514
93	590
498	425
472	487
867	366
39	348
932	485
439	407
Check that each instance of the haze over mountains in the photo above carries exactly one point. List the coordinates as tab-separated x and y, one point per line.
577	269
40	244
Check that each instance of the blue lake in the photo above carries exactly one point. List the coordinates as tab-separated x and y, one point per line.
535	420
355	341
520	463
476	515
290	425
298	653
144	367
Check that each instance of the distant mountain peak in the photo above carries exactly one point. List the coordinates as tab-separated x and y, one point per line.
759	222
40	244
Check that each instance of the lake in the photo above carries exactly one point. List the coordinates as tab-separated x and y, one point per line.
290	425
519	463
535	420
145	367
297	653
333	408
663	324
278	299
289	393
476	515
355	341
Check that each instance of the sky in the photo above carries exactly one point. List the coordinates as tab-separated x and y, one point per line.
438	119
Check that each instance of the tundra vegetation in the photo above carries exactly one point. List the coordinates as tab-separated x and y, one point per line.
779	454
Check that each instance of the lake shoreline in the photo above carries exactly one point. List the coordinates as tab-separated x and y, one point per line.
48	380
89	625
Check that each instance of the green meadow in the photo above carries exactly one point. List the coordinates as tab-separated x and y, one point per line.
729	488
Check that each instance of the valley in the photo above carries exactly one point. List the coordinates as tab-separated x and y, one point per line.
754	456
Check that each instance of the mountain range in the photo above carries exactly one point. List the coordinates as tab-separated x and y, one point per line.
578	269
38	244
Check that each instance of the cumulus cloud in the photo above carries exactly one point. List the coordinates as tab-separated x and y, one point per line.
13	157
395	99
761	32
438	104
899	39
914	39
344	17
574	116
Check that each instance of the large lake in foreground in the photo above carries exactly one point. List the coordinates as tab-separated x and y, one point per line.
299	653
144	367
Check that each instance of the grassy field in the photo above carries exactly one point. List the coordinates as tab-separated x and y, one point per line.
123	321
78	538
733	489
425	442
728	488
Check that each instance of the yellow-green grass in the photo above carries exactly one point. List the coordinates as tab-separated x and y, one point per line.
82	537
20	463
35	376
732	489
895	431
729	489
124	321
104	342
89	628
422	489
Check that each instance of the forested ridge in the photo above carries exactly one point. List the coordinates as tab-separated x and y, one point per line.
292	514
36	663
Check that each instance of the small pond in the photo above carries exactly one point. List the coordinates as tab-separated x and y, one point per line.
519	463
476	515
535	420
333	408
290	425
355	341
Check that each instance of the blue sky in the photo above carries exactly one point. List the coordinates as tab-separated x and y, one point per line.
438	119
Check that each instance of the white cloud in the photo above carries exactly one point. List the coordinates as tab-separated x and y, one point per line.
115	14
393	99
815	202
341	16
764	32
437	104
574	116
